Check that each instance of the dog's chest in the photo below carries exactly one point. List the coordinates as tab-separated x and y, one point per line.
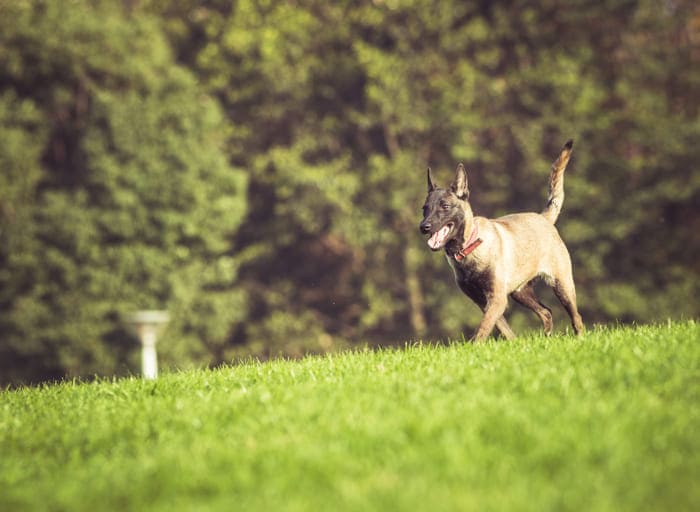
474	277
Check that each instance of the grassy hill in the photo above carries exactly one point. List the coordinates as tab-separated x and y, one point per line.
610	421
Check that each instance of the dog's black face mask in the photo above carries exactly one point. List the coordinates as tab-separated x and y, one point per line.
445	211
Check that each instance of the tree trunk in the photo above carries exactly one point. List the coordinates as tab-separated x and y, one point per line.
415	293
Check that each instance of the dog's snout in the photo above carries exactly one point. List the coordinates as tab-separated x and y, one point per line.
425	227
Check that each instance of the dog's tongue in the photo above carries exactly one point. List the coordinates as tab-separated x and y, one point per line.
438	239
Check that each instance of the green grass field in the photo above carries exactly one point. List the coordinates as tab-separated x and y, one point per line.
610	421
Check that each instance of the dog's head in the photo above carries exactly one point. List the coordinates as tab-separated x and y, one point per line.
446	212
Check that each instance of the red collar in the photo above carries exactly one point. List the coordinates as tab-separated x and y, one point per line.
470	244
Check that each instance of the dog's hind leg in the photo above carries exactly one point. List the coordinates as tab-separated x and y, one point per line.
566	293
526	297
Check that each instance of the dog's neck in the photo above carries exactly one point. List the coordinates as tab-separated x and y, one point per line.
470	245
467	239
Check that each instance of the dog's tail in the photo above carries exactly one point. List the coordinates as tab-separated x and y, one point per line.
556	184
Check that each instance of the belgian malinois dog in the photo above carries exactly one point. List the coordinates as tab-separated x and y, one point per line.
495	258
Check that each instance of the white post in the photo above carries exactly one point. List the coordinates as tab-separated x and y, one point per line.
147	325
149	358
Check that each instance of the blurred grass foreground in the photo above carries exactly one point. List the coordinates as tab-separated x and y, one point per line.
605	422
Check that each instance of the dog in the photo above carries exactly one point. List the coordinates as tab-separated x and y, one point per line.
496	258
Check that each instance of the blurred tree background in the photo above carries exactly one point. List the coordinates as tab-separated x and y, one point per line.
257	167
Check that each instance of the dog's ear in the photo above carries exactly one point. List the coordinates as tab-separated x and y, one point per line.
460	186
431	186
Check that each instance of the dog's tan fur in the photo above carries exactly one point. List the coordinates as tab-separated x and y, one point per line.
515	250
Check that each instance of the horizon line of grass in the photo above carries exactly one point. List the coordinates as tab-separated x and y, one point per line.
526	336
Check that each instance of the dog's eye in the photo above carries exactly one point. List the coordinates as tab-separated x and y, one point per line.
444	206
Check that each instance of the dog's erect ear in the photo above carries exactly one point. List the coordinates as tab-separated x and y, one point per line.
431	187
460	186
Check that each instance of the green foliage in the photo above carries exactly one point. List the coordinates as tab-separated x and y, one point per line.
346	105
605	422
131	132
121	195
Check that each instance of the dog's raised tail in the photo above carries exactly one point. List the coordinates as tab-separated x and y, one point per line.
556	184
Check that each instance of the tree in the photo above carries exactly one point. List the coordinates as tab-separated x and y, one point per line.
331	111
345	105
121	197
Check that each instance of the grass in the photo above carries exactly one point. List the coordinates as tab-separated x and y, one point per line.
610	421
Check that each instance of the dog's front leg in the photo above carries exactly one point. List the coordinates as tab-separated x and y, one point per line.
495	307
483	300
506	331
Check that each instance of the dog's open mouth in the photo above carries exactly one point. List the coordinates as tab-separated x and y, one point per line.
438	239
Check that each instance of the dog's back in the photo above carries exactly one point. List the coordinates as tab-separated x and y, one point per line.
529	245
